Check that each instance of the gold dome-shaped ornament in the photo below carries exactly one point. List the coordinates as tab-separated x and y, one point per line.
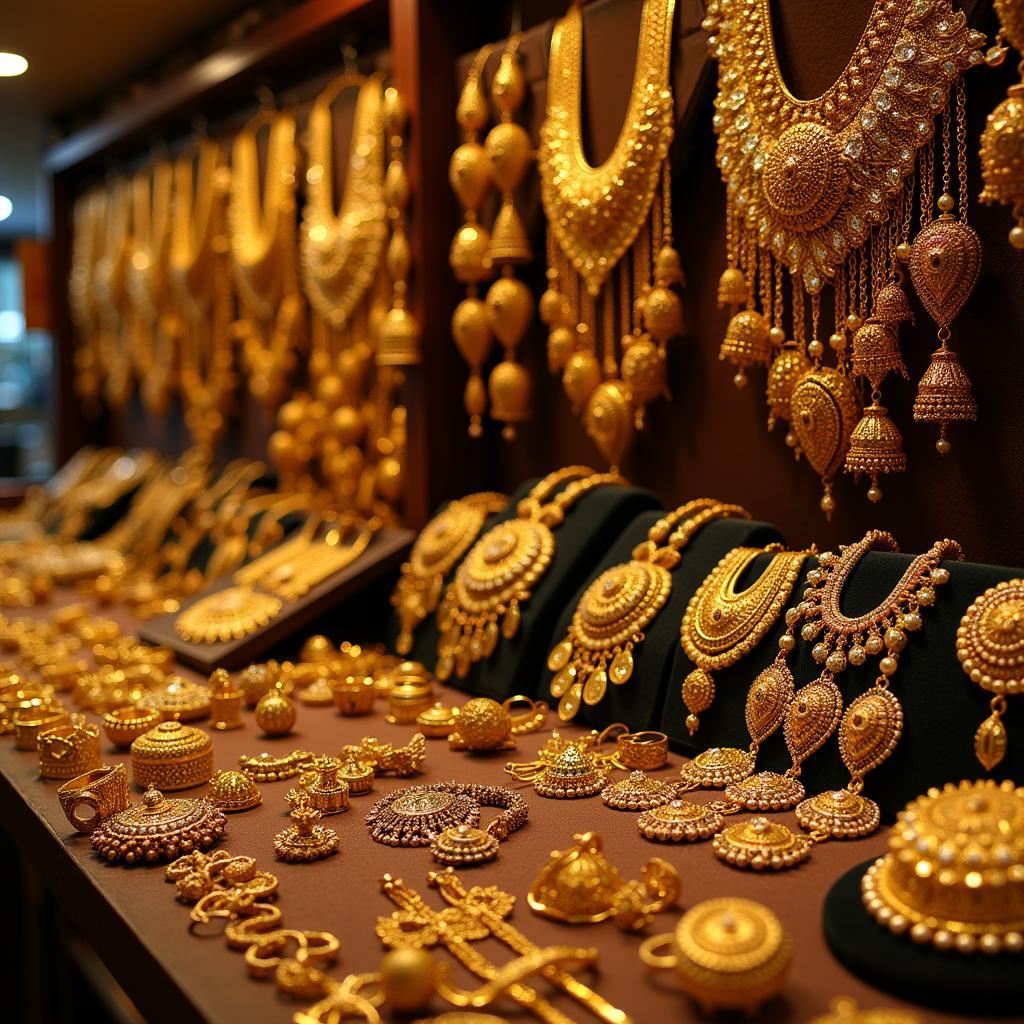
876	352
759	844
945	395
824	410
644	369
509	387
464	845
680	821
232	791
728	953
256	680
876	447
276	712
305	839
891	305
843	1010
482	724
638	792
954	873
509	243
561	345
746	343
610	421
473	338
732	287
573	774
788	366
1002	158
581	886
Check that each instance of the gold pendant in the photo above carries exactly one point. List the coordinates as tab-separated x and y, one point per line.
228	614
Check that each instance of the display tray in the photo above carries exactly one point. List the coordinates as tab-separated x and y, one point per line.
386	552
131	919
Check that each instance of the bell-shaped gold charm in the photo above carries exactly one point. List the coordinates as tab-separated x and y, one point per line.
732	287
609	420
582	374
746	343
787	368
399	341
892	305
1002	159
643	371
561	345
510	245
876	447
468	253
876	352
944	395
668	269
509	389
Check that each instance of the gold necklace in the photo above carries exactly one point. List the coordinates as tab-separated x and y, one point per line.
201	281
109	290
723	624
609	233
438	549
618	606
498	575
825	189
86	245
262	234
147	284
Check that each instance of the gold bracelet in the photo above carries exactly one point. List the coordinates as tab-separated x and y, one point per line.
646	750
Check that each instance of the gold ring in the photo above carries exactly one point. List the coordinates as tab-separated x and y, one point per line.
531	716
104	791
28	723
646	750
125	725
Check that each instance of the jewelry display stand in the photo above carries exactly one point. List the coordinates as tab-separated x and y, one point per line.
973	985
638	702
383	556
941	706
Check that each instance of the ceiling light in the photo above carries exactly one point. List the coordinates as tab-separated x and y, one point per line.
12	65
6	207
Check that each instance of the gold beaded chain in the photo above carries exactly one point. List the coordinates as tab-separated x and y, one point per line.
498	575
620	604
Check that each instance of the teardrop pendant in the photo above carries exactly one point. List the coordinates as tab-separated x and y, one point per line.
570	703
559	656
990	741
596	687
563	680
510	623
621	669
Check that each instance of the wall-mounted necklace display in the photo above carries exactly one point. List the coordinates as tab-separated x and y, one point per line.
612	268
477	253
261	228
86	245
200	279
150	318
1002	142
109	276
620	604
825	189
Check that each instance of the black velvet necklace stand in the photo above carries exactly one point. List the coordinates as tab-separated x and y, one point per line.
975	985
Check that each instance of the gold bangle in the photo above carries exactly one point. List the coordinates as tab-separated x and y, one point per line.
646	750
125	725
30	722
104	791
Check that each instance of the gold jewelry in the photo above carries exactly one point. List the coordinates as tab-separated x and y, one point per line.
531	716
358	775
573	774
1002	165
953	874
305	840
825	189
482	724
990	649
610	236
723	624
556	745
125	725
178	700
86	245
438	721
385	758
276	712
354	695
620	604
843	1010
326	792
418	815
638	792
408	696
680	821
233	791
226	702
256	680
172	756
228	614
438	549
103	791
268	768
581	886
760	844
463	846
69	750
647	750
28	723
498	575
261	229
108	284
728	953
158	830
319	694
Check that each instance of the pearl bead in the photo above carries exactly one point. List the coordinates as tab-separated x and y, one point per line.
853	321
912	621
939	575
903	251
874	644
837	342
815	349
920	932
887	666
787	642
740	380
926	596
777	336
895	639
858	655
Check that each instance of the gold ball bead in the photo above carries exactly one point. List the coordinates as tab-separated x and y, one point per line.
815	349
275	712
1017	236
945	202
903	251
347	424
854	322
484	723
407	979
777	336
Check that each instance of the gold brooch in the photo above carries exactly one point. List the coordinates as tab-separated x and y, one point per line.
728	953
680	821
305	839
954	873
233	791
483	724
638	792
268	768
760	844
172	756
574	774
160	829
581	886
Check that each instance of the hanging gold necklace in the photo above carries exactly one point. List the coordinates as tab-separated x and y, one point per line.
825	189
620	604
147	284
262	234
498	575
438	549
723	624
86	247
201	281
609	233
109	290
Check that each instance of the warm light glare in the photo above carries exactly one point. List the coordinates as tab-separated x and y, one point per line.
6	207
12	65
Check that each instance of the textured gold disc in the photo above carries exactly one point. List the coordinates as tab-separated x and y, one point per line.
766	791
716	768
839	814
760	844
